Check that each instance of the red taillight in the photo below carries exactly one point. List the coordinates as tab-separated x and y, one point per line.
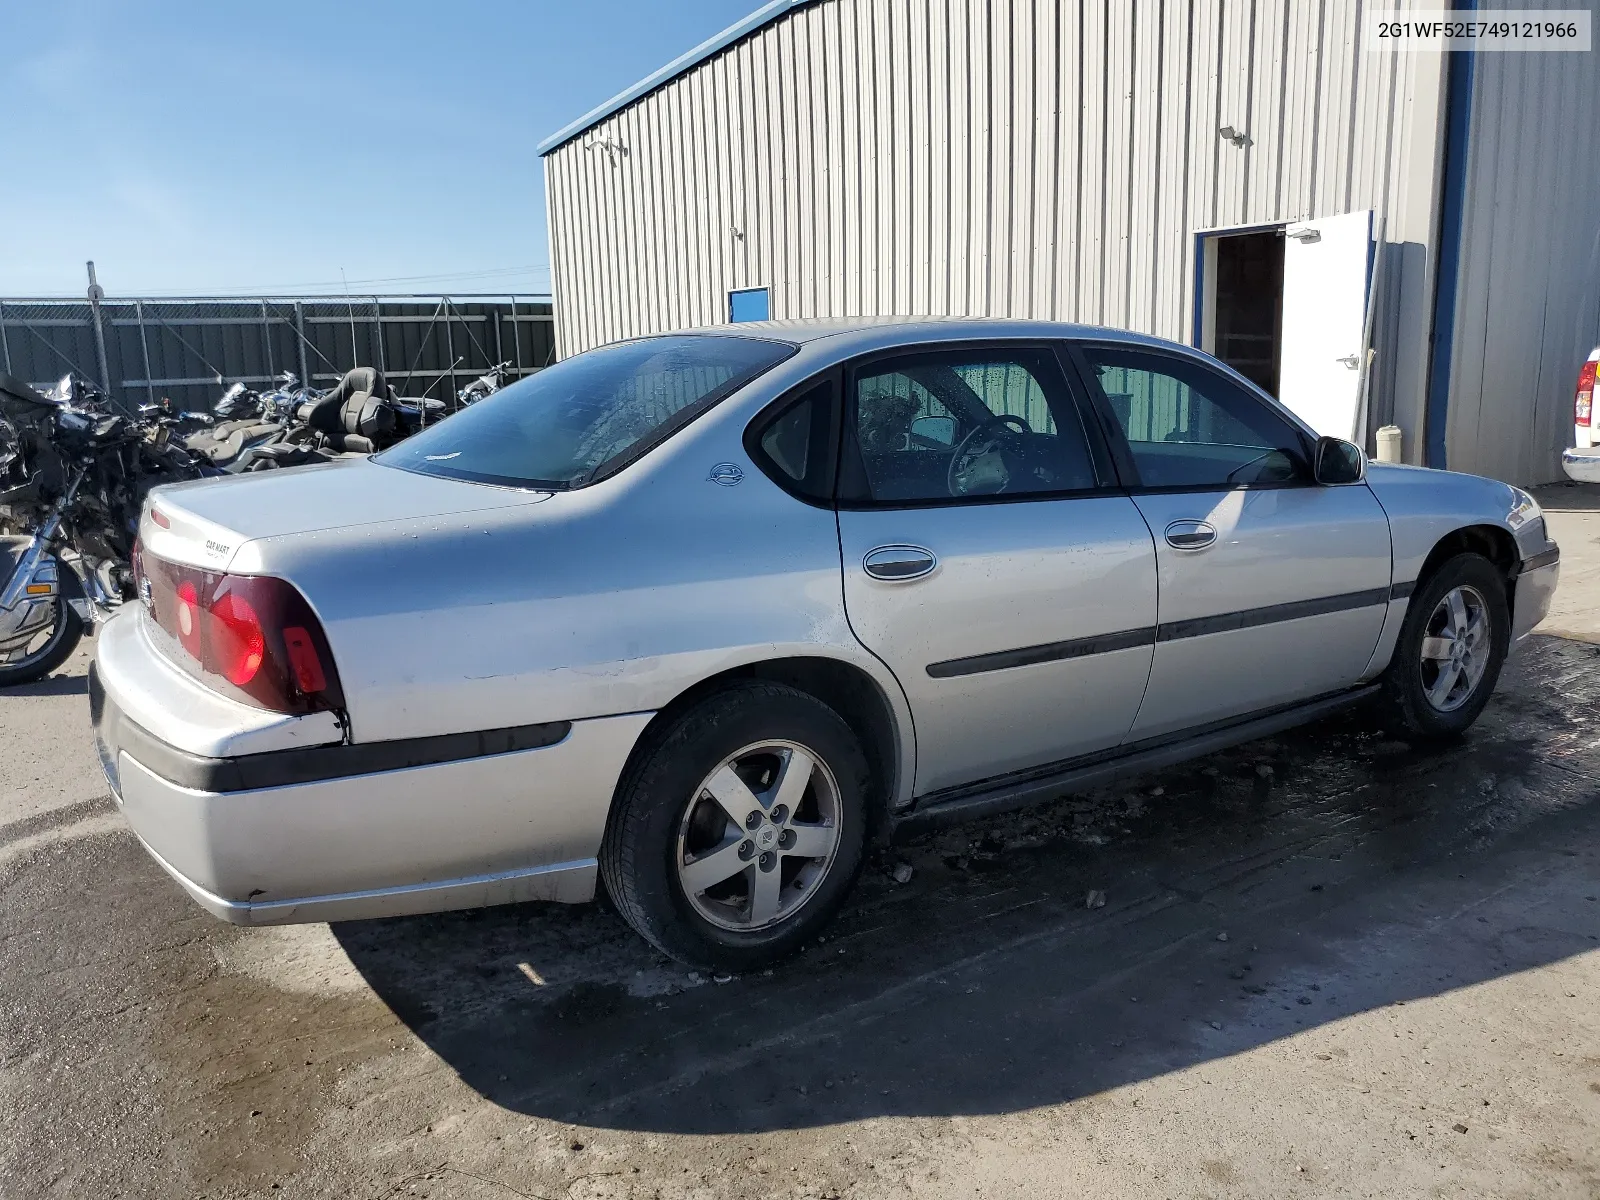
253	631
189	617
238	643
160	518
303	660
1583	400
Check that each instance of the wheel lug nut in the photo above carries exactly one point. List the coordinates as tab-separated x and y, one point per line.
753	821
746	849
779	815
768	861
786	838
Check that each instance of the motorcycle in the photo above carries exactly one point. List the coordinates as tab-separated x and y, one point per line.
359	415
73	477
246	421
487	384
178	424
416	413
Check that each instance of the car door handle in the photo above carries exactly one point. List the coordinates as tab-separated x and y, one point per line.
897	564
1190	535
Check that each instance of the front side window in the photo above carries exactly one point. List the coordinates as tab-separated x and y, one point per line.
588	416
959	425
1189	427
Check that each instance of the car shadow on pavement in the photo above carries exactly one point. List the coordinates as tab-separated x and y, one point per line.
1251	896
1568	496
52	685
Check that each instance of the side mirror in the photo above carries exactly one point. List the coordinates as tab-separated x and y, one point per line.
1338	461
941	431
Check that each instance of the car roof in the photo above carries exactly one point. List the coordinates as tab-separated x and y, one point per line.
913	330
840	338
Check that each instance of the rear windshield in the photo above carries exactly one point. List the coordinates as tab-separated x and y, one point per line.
589	416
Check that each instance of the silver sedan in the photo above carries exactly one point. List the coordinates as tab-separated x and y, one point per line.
701	615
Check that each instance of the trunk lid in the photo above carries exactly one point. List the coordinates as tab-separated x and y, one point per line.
203	523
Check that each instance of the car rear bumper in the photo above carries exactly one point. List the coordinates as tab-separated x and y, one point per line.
1582	464
299	835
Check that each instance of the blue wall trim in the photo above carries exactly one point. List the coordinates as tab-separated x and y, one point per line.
764	15
1458	128
1199	290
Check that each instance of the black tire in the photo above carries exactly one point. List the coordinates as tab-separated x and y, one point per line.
1405	689
64	639
639	857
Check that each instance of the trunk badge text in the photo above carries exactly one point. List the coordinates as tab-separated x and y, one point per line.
726	474
217	548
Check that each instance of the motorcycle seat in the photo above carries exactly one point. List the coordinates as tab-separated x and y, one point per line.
224	443
356	415
283	454
15	386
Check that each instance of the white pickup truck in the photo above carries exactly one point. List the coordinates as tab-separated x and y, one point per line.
1582	462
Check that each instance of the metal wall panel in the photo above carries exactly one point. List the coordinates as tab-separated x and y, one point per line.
1044	158
1528	297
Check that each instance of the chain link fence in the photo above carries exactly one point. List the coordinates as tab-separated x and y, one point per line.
187	350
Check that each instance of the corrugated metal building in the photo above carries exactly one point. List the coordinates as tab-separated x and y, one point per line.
1206	171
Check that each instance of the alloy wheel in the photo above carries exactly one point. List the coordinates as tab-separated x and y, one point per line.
759	837
1456	648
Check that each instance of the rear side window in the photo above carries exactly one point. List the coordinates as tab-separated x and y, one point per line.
795	445
590	415
1190	427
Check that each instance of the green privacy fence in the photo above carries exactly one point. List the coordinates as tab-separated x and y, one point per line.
187	350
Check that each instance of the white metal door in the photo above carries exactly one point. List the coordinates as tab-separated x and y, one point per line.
1327	266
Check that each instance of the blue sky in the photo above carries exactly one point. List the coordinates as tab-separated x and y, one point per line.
227	146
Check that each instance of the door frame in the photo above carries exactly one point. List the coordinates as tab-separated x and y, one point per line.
1204	297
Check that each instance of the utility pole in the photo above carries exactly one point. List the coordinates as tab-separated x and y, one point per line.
97	294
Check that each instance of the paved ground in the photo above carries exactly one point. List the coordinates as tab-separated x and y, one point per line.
1331	963
1573	513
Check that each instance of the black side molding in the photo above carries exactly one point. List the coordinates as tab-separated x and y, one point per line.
1543	559
1000	660
286	768
1171	631
1036	785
